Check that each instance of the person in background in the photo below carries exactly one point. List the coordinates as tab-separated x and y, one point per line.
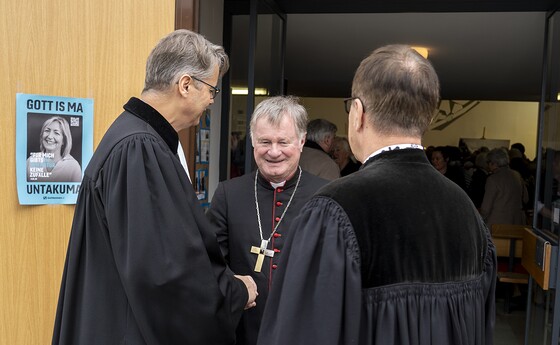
394	253
315	156
342	155
253	212
521	148
478	183
441	161
143	264
520	163
237	151
505	192
55	163
428	150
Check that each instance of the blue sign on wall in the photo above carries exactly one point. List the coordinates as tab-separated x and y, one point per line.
54	143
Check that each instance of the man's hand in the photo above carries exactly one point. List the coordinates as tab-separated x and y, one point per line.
251	289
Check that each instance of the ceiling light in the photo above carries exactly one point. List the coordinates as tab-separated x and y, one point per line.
243	91
422	51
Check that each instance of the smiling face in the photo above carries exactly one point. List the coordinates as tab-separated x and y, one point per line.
52	138
276	148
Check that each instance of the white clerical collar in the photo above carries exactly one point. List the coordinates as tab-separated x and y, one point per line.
276	185
183	161
395	147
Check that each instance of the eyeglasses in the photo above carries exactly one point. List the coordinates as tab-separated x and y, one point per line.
348	104
213	89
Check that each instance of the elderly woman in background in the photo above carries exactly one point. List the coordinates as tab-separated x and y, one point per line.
440	159
342	155
505	192
54	163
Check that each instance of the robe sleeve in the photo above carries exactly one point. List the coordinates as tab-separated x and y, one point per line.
176	282
217	214
316	293
489	284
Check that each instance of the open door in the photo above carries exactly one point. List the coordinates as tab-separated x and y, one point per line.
540	246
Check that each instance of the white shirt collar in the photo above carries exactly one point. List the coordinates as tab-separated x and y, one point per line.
276	185
183	161
395	147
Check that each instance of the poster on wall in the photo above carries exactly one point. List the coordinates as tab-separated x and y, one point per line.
204	145
54	143
200	185
203	139
202	159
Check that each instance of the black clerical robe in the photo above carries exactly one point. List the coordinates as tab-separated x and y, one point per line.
233	211
143	265
395	253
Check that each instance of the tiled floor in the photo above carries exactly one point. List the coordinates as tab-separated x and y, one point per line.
509	328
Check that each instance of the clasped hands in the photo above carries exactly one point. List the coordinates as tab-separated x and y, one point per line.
251	289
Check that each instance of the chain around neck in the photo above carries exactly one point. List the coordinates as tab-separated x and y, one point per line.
283	213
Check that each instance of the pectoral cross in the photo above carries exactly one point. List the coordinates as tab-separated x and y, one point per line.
261	252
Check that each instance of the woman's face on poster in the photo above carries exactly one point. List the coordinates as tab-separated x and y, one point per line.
52	137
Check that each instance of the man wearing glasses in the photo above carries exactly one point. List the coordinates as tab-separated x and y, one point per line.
214	90
395	253
143	263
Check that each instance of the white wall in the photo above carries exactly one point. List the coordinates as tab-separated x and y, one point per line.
515	121
331	109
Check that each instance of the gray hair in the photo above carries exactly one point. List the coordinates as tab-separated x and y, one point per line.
66	146
480	161
498	156
399	90
342	144
183	52
319	129
275	108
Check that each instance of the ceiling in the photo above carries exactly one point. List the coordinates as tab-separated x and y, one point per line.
481	50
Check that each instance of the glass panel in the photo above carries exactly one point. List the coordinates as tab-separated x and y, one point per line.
548	206
239	56
268	63
540	316
268	77
542	305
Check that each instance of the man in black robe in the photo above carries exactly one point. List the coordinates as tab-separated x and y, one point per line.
143	264
395	253
281	187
